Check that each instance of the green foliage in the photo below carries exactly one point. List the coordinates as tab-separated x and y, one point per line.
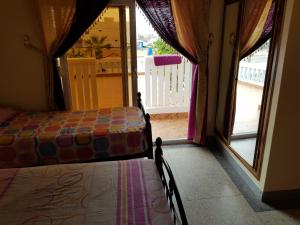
162	48
97	44
93	47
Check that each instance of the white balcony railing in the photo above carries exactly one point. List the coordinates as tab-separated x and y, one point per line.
83	83
108	65
253	73
113	65
167	88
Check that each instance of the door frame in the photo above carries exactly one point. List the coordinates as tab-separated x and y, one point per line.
122	4
268	90
266	98
223	131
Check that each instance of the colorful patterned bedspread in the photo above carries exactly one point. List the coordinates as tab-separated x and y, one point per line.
107	193
61	137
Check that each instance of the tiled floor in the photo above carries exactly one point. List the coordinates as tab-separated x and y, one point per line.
170	127
245	148
248	101
209	195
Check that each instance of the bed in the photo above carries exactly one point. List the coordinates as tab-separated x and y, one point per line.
35	138
136	191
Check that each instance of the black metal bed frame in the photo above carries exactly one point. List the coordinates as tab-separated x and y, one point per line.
169	184
148	128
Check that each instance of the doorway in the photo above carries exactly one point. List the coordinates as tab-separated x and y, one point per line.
164	80
247	73
102	63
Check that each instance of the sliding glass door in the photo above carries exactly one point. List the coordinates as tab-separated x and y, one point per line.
102	64
250	87
246	78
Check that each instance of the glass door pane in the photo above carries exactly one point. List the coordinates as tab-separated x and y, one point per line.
101	62
130	59
250	88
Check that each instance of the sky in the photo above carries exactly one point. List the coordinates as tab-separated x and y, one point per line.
142	25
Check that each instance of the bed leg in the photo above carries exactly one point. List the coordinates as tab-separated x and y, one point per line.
158	149
158	156
148	133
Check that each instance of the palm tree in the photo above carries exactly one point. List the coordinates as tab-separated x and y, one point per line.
96	43
75	53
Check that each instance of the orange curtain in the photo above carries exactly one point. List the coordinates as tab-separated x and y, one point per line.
56	17
191	21
255	16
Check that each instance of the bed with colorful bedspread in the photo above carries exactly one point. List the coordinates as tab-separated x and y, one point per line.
30	139
104	193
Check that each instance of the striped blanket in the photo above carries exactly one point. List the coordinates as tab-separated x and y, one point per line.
118	193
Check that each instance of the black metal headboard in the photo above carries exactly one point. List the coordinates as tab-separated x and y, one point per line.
148	128
169	184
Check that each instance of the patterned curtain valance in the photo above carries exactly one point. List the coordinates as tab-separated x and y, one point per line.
160	15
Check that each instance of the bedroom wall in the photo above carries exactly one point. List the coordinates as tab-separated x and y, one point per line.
21	68
283	171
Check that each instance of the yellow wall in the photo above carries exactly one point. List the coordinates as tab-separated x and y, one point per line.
21	69
110	91
283	172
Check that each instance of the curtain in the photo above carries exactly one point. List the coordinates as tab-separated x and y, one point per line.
256	16
184	26
192	113
86	13
191	21
256	29
63	23
266	32
56	18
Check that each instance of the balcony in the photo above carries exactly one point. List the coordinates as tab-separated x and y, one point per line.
165	92
249	96
166	96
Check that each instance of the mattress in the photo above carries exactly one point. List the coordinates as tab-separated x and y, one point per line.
102	193
62	137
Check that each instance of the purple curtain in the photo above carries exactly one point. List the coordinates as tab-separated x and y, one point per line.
85	15
159	13
192	114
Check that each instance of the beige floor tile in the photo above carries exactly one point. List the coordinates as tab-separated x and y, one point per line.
245	148
221	211
208	194
198	174
287	217
169	129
